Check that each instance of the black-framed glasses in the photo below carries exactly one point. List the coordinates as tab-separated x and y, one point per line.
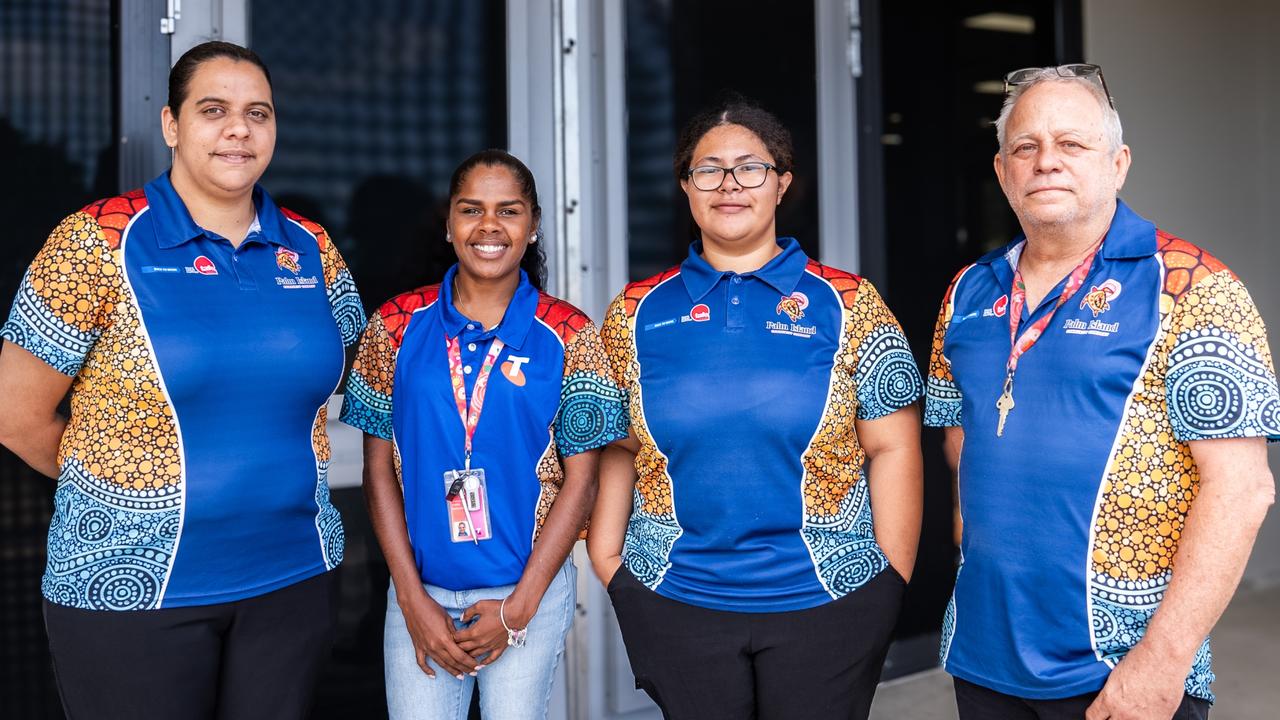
748	175
1087	71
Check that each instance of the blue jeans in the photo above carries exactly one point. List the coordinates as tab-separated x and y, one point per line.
516	687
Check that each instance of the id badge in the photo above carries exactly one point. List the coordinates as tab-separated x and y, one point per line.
468	503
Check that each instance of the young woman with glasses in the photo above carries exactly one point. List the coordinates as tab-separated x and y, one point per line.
772	405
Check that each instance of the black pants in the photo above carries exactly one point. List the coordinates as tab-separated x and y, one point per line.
979	703
823	662
243	660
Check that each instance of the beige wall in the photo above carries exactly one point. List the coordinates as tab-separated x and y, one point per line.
1197	85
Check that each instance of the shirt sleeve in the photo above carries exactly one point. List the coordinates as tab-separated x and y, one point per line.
885	374
344	298
67	296
942	399
1220	381
367	402
592	410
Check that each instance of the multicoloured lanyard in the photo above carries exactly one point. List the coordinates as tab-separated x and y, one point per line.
1020	345
470	419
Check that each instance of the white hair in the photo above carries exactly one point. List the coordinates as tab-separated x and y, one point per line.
1111	128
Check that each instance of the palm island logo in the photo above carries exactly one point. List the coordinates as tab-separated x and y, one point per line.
793	305
287	259
1099	297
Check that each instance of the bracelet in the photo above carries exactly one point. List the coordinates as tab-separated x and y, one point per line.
515	638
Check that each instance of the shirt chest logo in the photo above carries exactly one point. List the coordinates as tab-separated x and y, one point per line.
697	313
998	308
511	369
287	259
1098	301
791	307
202	266
1099	297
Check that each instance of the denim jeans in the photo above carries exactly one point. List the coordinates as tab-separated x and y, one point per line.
516	687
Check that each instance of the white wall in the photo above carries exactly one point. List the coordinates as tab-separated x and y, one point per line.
1197	85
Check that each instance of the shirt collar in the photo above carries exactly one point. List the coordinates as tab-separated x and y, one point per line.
174	225
1130	236
782	272
516	321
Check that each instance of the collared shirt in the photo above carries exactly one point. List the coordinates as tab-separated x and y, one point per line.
548	397
744	390
1072	518
194	464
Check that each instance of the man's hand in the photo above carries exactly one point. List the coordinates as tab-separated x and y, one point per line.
1145	685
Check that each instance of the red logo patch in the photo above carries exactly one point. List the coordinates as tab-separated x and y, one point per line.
204	266
700	313
1001	306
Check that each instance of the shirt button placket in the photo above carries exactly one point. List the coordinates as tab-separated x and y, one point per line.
734	311
243	273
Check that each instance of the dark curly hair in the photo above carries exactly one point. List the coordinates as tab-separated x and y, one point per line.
191	60
534	262
734	109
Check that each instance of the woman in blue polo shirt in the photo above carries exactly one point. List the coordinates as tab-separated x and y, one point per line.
484	402
201	331
750	577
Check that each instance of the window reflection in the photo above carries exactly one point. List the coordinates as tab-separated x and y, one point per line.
678	62
377	102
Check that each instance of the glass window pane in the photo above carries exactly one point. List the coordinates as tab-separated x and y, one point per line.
376	103
56	112
680	56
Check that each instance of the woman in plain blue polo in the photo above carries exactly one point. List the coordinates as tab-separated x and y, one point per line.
201	331
484	402
772	406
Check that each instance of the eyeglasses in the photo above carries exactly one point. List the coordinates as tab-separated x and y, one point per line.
748	175
1074	70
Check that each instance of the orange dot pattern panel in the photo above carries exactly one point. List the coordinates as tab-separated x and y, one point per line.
591	412
118	505
1209	375
833	462
652	530
367	403
68	296
873	374
653	483
551	478
943	400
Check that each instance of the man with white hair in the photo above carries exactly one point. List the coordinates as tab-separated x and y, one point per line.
1107	392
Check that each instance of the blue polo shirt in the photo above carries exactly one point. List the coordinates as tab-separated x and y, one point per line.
745	390
548	397
1072	518
194	467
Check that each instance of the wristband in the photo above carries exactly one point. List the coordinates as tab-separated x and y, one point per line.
515	638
